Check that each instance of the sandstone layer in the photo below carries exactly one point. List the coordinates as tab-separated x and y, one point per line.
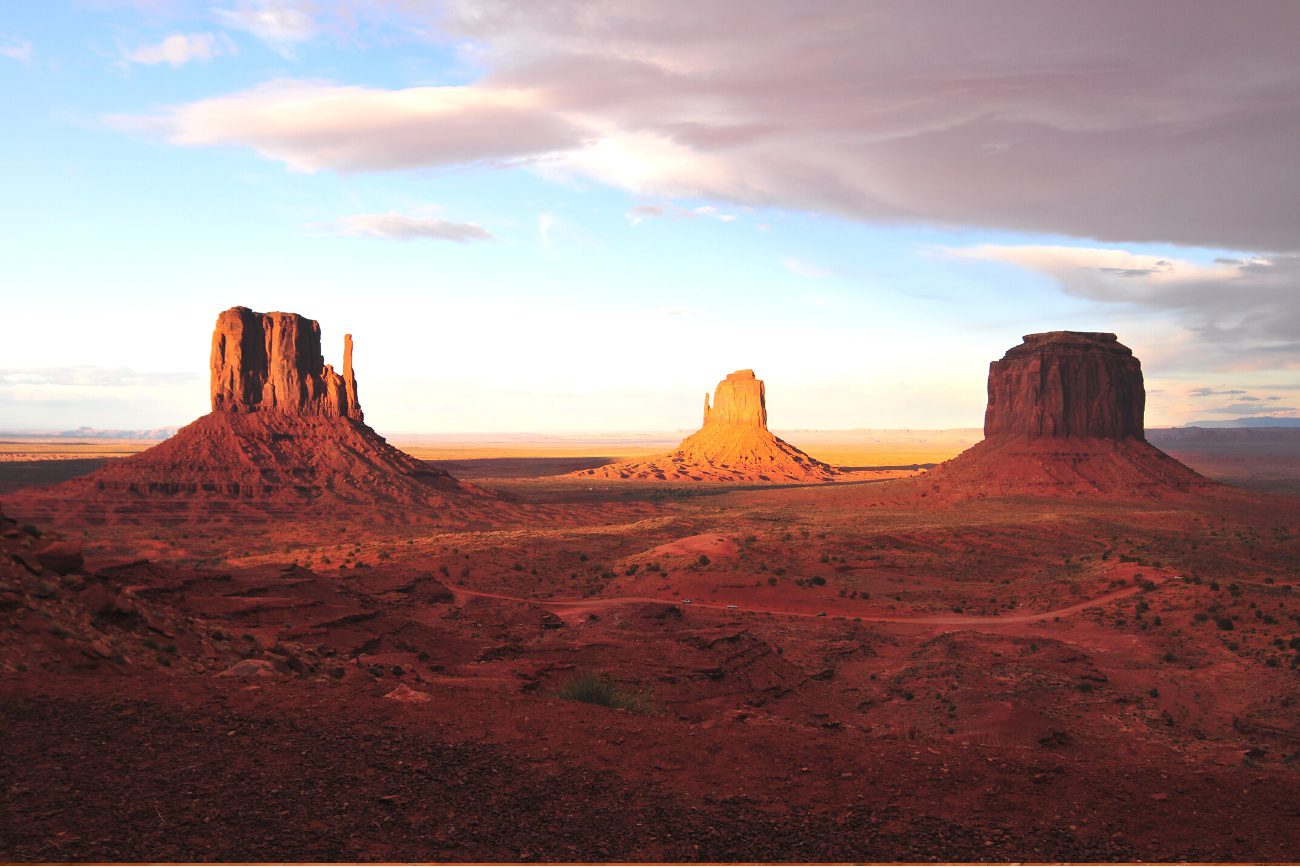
1065	416
733	445
285	433
273	361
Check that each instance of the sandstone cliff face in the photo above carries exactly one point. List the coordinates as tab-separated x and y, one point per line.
739	400
1066	384
273	361
285	436
1065	416
734	445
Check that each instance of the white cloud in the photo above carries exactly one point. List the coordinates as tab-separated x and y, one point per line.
403	227
279	23
314	125
1103	274
17	49
640	213
179	49
1242	313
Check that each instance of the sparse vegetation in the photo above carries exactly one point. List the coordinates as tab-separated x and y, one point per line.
597	687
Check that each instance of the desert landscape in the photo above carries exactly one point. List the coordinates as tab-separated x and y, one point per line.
358	505
275	633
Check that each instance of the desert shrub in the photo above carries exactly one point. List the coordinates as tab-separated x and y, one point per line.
631	570
817	581
1224	623
703	561
597	687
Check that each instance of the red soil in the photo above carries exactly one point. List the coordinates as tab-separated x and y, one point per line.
993	679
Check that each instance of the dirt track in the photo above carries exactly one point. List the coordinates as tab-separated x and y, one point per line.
576	608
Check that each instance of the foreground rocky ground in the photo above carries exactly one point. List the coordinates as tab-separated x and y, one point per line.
996	679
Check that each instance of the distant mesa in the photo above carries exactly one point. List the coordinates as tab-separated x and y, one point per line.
734	445
286	431
1065	415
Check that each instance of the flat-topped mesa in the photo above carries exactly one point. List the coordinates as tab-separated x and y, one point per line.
1066	384
739	400
273	362
1064	418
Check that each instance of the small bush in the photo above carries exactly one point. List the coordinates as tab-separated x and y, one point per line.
596	687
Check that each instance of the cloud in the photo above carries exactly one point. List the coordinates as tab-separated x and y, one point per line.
90	375
1239	408
279	23
179	49
1152	121
17	49
401	227
311	126
640	213
1210	392
1243	313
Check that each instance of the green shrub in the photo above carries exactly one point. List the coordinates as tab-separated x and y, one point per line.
597	687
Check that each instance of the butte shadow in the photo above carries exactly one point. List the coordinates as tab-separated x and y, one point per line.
1064	417
286	437
734	445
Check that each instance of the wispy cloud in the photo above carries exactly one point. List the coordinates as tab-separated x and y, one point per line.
408	227
279	23
1244	312
640	213
90	375
17	49
312	125
179	49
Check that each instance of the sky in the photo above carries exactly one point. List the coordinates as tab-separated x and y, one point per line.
579	216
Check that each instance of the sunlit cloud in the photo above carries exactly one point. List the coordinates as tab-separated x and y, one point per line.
279	23
179	49
405	227
1051	120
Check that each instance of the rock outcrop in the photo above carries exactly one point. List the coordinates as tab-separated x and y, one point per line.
1065	416
273	361
1066	384
734	445
286	433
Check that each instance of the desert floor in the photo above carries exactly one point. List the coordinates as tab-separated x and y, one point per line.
993	679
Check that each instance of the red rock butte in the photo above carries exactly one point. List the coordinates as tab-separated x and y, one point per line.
1065	415
273	361
285	432
734	445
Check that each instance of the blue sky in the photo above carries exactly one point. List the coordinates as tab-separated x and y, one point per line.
517	244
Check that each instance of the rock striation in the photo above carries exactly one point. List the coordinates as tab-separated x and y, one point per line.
273	361
1066	384
733	445
286	434
1064	416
